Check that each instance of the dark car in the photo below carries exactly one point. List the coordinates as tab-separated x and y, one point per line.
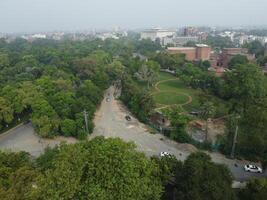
128	118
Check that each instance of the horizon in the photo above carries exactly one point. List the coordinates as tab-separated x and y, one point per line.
29	16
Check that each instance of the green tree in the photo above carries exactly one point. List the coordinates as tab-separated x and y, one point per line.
243	85
6	111
237	59
4	60
44	118
255	189
148	73
179	122
100	169
255	47
68	127
203	179
208	110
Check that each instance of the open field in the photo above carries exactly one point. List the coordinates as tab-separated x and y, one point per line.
170	91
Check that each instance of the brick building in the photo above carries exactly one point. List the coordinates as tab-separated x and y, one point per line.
199	52
228	53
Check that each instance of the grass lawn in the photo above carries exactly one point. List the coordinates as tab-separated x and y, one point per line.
170	98
175	92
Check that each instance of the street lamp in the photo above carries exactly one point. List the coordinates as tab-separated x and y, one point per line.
235	138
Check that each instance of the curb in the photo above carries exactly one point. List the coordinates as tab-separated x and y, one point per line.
8	131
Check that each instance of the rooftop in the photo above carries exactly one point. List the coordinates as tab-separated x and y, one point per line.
180	48
201	45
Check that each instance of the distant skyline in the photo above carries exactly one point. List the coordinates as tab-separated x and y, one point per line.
71	15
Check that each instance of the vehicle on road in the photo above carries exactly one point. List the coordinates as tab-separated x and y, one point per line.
164	153
108	99
128	118
252	168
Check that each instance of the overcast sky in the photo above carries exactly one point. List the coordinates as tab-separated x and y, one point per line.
50	15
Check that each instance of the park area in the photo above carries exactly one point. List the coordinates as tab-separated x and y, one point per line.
171	91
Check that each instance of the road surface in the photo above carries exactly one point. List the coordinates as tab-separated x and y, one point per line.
110	122
23	138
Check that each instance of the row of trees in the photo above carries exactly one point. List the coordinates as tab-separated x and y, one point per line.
112	169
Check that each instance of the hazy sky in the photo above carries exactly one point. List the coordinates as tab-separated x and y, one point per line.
49	15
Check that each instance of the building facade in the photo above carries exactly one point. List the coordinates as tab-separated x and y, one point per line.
228	53
199	52
179	40
156	33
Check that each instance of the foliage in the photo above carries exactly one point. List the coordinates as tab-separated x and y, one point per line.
237	59
179	122
196	179
100	169
244	84
255	189
255	47
138	101
218	41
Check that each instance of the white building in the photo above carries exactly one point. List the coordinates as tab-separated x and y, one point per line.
39	36
156	33
179	40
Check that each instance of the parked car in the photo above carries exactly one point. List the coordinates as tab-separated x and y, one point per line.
252	168
128	118
164	153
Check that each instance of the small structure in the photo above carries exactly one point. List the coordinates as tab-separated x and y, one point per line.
160	121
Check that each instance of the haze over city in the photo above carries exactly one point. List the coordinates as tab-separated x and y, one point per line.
133	100
51	15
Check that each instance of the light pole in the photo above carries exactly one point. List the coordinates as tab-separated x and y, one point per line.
85	113
235	138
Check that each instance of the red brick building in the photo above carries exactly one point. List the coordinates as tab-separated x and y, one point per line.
228	53
199	52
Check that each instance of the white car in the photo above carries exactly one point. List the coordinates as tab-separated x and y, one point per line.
252	168
163	153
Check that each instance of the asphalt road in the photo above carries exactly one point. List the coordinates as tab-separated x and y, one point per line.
110	122
23	138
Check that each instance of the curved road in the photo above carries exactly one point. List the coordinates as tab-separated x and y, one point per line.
110	122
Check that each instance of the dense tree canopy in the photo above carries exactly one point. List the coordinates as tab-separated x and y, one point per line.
97	169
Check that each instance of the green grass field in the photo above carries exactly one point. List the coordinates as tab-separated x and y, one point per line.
170	91
175	92
170	98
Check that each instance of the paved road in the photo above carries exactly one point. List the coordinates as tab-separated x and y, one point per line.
23	138
110	122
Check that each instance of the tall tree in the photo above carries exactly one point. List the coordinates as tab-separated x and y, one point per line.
100	169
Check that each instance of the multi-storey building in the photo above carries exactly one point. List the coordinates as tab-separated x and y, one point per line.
199	52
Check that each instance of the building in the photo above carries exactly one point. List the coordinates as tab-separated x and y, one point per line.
199	52
190	31
179	41
156	34
228	53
